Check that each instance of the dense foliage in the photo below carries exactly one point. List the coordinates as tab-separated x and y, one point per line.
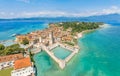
25	41
2	47
13	49
80	26
69	43
31	56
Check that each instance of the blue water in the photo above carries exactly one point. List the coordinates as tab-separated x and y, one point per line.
61	53
99	54
7	29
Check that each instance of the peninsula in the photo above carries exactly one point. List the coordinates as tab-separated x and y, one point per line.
64	35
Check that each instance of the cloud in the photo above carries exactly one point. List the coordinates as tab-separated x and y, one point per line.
2	13
7	15
111	10
44	13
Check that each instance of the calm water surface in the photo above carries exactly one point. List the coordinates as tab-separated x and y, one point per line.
61	53
99	56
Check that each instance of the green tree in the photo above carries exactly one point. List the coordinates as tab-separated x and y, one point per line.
8	51
25	41
31	56
2	47
12	49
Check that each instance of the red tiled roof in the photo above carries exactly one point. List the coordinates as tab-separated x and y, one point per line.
10	57
22	63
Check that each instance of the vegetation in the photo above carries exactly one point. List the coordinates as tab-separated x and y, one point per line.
2	47
69	43
31	57
25	41
13	49
75	41
80	26
6	72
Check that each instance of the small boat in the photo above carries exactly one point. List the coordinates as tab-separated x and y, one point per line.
13	35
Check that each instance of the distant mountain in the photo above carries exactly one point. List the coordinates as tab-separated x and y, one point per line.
100	18
104	18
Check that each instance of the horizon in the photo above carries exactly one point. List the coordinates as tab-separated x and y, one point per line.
57	8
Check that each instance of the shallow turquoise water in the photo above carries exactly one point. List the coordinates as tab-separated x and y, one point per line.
99	56
61	53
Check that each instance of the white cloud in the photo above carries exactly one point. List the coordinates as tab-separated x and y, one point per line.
44	13
111	10
2	13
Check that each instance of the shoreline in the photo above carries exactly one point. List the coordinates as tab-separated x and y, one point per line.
80	35
8	42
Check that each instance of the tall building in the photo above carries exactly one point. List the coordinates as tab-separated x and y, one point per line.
51	39
40	39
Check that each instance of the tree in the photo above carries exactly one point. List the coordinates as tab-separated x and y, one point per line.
25	41
12	49
2	47
8	51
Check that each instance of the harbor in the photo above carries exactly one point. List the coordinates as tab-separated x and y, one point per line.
61	62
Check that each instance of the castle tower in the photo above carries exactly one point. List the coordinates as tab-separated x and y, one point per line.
40	39
51	40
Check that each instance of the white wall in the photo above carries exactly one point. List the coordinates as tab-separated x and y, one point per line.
23	72
6	64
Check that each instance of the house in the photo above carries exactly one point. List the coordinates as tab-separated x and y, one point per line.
23	67
20	38
8	61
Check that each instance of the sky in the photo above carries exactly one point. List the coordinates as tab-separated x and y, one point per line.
57	8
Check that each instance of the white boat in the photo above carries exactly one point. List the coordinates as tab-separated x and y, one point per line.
13	35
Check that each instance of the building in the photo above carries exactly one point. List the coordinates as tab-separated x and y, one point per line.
51	38
23	67
8	61
40	39
20	38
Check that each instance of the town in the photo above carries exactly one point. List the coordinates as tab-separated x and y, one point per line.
50	38
56	35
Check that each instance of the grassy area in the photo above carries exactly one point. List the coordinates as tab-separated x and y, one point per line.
69	43
6	72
